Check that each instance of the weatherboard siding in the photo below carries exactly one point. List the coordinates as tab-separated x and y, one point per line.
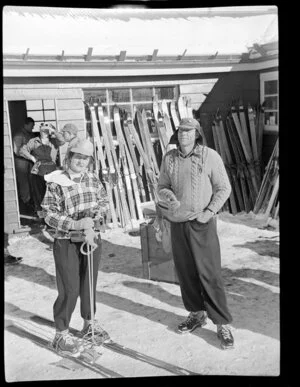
11	210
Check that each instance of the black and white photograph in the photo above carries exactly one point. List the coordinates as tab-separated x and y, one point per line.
141	192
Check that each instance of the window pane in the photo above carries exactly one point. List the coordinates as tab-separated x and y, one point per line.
36	115
271	103
34	105
49	115
164	92
271	118
271	87
101	94
142	94
48	104
119	95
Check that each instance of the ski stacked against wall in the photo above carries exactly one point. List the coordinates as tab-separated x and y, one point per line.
129	150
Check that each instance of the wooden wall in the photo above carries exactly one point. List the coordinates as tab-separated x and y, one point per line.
69	109
11	209
229	86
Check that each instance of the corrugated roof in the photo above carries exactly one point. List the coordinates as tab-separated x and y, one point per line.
200	31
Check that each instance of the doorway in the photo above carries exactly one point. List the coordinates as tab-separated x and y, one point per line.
17	116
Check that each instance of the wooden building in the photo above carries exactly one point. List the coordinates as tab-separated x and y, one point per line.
57	60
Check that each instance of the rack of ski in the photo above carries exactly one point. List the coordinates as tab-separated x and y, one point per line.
129	147
238	139
129	150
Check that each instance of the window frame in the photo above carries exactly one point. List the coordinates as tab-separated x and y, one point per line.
269	76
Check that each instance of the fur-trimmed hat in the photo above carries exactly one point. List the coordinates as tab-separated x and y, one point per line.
71	128
188	124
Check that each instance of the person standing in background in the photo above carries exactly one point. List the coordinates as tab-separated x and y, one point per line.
23	165
69	132
42	151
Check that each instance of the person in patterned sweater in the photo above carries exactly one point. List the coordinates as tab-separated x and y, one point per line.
74	198
193	186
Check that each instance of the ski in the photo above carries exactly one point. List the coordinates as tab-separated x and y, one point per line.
150	175
149	141
182	107
85	359
105	175
247	153
121	349
166	117
254	142
218	149
145	144
128	170
189	109
240	166
131	152
111	164
174	115
123	201
225	154
162	133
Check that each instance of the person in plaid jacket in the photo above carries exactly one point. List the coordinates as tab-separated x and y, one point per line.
74	198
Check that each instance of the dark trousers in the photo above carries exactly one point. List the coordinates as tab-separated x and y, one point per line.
23	175
72	278
38	190
197	259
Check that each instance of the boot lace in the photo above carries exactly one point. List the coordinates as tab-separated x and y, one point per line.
225	332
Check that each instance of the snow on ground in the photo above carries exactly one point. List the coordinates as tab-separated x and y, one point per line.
143	314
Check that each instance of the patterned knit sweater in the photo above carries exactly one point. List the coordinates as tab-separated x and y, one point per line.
198	181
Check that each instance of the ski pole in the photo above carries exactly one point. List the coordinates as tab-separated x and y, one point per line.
89	254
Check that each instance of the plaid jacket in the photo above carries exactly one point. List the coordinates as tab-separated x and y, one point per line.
64	204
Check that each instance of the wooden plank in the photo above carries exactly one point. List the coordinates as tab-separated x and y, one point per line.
196	98
5	118
10	228
70	115
69	104
8	162
197	88
47	93
9	195
8	184
80	85
7	151
6	140
8	173
12	217
10	206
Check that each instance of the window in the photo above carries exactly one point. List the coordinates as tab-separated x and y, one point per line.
41	110
269	95
129	99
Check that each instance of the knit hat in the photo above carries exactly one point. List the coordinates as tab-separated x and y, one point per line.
188	124
84	147
71	128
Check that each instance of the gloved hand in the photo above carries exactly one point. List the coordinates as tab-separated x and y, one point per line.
83	224
174	205
91	237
